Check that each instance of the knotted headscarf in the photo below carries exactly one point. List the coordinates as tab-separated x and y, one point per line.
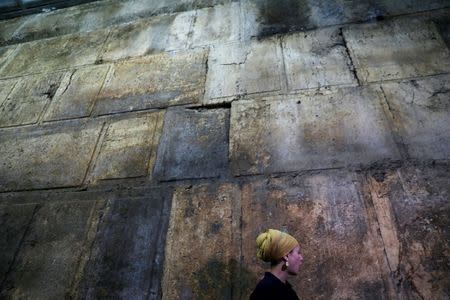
274	244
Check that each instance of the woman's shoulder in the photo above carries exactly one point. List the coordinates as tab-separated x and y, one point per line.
267	288
271	288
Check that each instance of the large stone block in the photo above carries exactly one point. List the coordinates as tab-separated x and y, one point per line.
47	262
194	144
417	207
345	128
129	148
128	251
203	243
238	68
27	101
218	24
76	95
421	113
47	55
315	59
56	155
153	81
328	217
396	49
137	38
14	221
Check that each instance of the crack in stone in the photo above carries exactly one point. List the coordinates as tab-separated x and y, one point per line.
350	62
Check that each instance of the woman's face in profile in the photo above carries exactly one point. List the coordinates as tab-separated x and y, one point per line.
295	260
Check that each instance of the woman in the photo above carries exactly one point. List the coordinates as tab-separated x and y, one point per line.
283	253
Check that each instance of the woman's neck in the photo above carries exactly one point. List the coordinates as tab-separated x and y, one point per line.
280	274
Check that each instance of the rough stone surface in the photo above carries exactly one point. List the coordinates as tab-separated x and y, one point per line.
315	59
47	261
240	68
198	265
6	87
27	101
397	49
137	39
14	222
328	217
127	255
421	112
153	81
194	144
328	119
316	132
46	156
419	205
220	23
77	93
129	147
52	54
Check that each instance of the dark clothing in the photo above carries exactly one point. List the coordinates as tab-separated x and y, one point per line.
272	288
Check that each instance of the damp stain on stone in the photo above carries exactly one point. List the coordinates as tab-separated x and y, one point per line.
282	16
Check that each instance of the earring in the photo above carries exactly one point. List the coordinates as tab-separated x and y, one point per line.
287	264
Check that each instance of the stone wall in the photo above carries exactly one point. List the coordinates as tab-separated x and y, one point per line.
145	144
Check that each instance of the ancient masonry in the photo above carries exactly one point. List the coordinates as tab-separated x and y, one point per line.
144	145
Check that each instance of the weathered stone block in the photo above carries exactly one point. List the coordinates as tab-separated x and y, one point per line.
194	144
180	30
128	251
153	81
129	148
6	87
14	221
328	218
316	58
418	209
345	128
76	95
55	155
48	55
396	49
421	113
6	53
137	38
220	23
203	243
236	69
48	259
27	101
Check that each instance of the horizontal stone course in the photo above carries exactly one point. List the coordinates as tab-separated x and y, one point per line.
44	56
341	129
153	81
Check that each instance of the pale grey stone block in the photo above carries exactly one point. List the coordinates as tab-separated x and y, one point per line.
421	114
346	128
396	49
316	58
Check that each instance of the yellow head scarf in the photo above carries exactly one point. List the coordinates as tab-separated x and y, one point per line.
274	244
